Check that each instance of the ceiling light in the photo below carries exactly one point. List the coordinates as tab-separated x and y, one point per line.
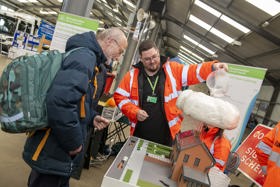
110	14
235	24
215	56
2	22
183	60
200	22
190	57
11	10
192	53
222	35
47	12
271	7
211	29
118	19
27	1
199	45
223	17
60	1
106	5
4	8
129	3
119	24
186	59
208	8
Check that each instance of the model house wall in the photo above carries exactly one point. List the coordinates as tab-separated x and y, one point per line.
190	154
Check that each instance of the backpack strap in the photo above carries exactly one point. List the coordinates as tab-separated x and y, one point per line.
72	50
5	119
83	99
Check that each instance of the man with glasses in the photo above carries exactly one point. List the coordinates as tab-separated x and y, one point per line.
70	108
148	93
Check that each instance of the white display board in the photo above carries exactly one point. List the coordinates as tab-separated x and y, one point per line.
69	24
244	85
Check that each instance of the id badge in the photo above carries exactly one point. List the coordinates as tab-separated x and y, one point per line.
152	99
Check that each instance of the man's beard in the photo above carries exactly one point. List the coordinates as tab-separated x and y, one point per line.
152	69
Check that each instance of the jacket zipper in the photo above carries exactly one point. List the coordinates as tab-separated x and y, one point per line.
71	167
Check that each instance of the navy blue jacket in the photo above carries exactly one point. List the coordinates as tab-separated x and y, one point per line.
68	129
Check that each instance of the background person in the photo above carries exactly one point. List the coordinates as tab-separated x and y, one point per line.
268	153
218	145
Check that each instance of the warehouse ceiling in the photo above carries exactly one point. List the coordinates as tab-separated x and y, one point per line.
233	31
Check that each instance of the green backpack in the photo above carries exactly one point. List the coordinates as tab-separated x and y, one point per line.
23	88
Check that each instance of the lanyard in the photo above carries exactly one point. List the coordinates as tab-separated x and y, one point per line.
153	86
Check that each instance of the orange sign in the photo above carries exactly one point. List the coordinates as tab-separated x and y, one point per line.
249	164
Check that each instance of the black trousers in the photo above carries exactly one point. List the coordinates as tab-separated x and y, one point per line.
37	179
98	141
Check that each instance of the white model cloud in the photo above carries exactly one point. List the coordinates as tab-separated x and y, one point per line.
210	110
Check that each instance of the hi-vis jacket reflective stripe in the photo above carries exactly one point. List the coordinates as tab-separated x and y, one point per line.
177	75
268	152
218	147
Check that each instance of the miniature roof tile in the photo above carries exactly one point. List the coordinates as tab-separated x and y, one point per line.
188	139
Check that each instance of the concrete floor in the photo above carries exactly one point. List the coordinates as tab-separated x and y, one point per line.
14	172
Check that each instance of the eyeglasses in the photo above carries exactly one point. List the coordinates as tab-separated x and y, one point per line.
121	49
150	59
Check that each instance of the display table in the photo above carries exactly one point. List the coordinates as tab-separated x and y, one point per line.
140	163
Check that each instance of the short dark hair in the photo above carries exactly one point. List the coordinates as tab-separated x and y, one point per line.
146	45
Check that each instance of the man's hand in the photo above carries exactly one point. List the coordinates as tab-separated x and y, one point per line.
100	123
141	115
76	151
220	65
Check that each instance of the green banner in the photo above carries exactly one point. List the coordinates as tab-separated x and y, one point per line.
78	21
247	71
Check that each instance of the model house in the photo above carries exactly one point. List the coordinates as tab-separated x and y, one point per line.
191	160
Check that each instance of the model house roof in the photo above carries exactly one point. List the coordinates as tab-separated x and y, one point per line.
190	138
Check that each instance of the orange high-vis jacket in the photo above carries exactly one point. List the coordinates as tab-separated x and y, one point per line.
177	75
219	147
268	153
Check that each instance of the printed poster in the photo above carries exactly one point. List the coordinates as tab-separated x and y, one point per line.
68	25
244	85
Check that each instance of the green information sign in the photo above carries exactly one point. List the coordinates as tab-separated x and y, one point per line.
78	21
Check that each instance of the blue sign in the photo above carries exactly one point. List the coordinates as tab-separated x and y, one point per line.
46	29
20	39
